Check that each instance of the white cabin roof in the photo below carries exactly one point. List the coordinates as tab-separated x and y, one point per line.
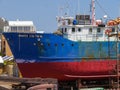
20	23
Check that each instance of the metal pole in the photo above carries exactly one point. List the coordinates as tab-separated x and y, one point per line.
117	60
93	12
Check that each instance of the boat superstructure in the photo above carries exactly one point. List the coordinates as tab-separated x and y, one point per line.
81	29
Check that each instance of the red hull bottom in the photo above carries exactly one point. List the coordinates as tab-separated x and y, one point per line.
69	70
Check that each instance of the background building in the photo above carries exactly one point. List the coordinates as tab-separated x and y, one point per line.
15	26
20	26
3	23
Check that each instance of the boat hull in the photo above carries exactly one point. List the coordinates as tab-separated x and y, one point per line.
53	56
69	70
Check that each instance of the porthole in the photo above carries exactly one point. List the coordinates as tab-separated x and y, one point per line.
72	45
56	44
62	44
48	44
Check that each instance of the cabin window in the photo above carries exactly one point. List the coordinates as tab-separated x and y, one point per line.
113	29
90	30
73	29
98	30
62	30
20	28
79	29
65	29
13	28
26	28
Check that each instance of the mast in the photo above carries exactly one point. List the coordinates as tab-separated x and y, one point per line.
93	12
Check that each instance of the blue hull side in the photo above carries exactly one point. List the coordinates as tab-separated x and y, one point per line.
54	48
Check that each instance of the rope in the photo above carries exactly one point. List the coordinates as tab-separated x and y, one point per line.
102	8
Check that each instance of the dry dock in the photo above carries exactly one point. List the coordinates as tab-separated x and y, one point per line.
14	83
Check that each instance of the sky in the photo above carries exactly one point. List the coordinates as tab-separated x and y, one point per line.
43	12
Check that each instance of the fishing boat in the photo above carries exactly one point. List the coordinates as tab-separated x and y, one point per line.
80	48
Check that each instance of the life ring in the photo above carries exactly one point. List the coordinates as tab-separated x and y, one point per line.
108	31
111	23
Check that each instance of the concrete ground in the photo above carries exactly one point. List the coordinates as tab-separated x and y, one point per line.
6	85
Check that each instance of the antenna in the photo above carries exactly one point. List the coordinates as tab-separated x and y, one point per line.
93	12
78	6
61	11
67	8
119	11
